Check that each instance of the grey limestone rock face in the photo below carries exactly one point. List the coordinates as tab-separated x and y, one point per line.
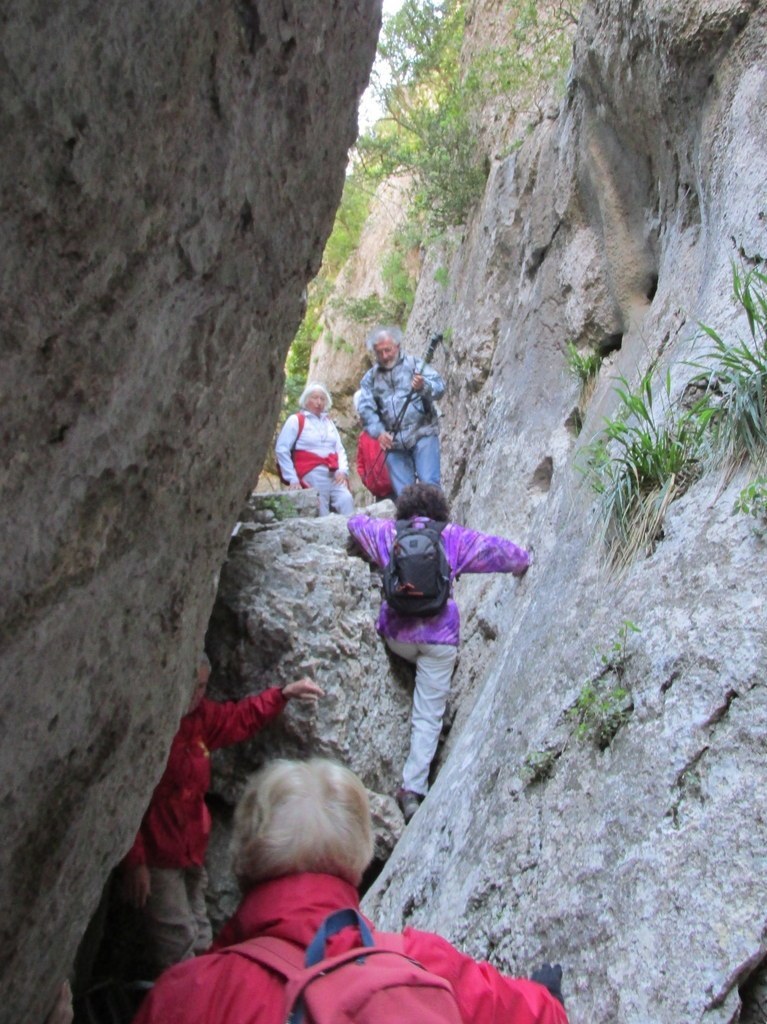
169	177
293	600
640	866
168	181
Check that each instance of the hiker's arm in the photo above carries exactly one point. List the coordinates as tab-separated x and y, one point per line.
231	722
373	536
482	992
283	451
472	551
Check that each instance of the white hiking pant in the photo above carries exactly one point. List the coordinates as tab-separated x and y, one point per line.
331	495
433	669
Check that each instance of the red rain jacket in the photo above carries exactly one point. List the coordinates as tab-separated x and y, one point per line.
224	988
175	829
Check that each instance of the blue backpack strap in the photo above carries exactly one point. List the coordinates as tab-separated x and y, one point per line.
333	924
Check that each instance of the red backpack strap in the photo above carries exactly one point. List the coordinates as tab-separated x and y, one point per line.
279	955
301	417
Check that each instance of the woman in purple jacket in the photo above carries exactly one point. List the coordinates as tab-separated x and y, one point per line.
431	643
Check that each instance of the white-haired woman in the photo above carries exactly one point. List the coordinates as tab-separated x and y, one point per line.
310	452
302	840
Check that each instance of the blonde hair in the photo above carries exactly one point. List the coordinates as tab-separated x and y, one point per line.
302	816
311	387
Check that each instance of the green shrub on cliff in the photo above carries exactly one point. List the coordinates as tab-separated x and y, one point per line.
734	374
649	452
435	94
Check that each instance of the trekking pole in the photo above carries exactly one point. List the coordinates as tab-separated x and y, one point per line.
396	426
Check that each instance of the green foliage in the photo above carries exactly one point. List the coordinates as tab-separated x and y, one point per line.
644	459
347	227
433	105
297	363
600	712
540	51
434	102
735	378
441	276
583	366
340	344
638	465
604	704
280	505
539	765
344	239
368	310
615	657
399	282
752	500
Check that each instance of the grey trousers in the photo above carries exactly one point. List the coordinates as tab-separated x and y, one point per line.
177	918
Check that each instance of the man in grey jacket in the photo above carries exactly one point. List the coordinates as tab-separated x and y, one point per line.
396	407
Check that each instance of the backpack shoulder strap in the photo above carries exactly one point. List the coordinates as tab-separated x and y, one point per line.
392	942
281	956
301	417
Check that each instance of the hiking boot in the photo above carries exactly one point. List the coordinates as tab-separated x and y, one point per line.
409	802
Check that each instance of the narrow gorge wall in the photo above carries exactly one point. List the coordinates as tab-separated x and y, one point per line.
169	178
168	182
641	866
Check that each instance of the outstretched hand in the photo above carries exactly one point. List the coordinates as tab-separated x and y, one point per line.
304	689
550	975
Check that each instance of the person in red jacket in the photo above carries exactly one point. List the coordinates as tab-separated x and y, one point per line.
302	840
163	873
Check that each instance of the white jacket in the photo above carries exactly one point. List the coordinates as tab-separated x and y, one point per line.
319	436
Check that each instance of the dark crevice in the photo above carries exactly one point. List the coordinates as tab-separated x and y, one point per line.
246	217
215	100
741	978
610	343
373	870
543	474
251	26
538	255
753	995
721	712
574	422
57	436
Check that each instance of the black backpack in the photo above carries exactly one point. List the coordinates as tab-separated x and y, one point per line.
417	579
